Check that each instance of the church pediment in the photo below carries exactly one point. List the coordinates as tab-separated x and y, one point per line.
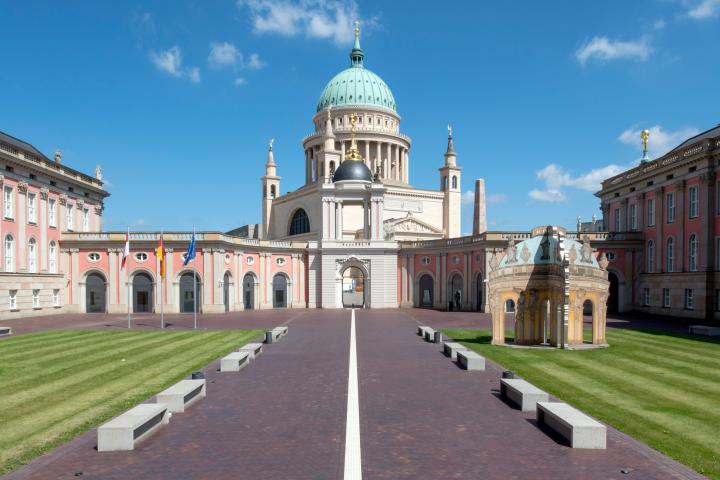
409	225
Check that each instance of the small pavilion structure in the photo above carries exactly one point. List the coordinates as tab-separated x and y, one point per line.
549	282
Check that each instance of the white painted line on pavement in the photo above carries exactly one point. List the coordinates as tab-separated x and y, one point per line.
353	461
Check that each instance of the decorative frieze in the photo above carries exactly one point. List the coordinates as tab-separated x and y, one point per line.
63	199
22	187
44	193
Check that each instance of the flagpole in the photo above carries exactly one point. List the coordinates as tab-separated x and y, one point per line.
194	285
127	269
162	282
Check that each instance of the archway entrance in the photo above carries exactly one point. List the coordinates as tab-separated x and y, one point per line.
353	288
226	291
456	292
613	299
588	318
187	298
95	293
249	291
142	293
426	293
279	291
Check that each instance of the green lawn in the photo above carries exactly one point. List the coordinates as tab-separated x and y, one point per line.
661	388
55	385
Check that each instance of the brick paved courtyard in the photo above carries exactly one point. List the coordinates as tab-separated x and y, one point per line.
284	416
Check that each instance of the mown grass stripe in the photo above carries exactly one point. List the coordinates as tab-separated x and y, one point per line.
38	345
58	349
678	352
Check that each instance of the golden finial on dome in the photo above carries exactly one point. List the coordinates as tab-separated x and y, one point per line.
357	29
645	135
353	153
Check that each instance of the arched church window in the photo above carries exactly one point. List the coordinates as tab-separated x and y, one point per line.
300	223
272	191
445	183
454	181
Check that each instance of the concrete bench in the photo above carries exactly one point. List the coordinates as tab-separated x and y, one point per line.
421	330
124	431
234	362
283	330
272	336
452	348
429	334
523	394
705	330
581	430
470	360
182	394
5	331
253	349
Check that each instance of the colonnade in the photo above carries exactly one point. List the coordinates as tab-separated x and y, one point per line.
392	158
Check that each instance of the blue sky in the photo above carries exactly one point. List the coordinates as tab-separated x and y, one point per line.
177	100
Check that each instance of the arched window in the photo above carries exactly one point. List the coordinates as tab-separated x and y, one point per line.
272	191
670	255
454	182
300	223
52	260
650	257
445	183
692	253
32	256
9	254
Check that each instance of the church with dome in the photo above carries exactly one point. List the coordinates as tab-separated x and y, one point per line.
356	232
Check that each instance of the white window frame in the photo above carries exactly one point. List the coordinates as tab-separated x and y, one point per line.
52	257
670	255
9	248
9	200
12	299
32	255
86	220
646	296
692	253
689	299
52	212
141	257
650	256
670	198
32	208
36	298
693	210
651	212
69	217
666	298
56	297
633	216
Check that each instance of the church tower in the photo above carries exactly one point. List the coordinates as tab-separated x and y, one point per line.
450	186
271	190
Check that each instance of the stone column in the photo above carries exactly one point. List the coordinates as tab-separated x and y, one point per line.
169	283
218	256
406	162
680	219
640	211
268	281
403	280
411	279
659	222
365	220
342	152
466	277
207	279
338	220
625	214
367	155
443	281
21	246
112	278
42	222
75	268
707	250
378	157
386	161
436	288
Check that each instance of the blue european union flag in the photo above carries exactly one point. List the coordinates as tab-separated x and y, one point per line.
190	254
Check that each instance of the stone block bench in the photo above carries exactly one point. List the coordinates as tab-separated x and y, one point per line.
523	394
452	348
182	395
421	330
470	360
234	362
274	335
581	430
429	335
253	349
5	331
124	431
705	330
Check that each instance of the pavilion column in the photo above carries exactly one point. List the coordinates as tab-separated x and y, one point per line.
377	157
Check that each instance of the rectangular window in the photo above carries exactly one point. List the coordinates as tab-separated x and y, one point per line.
693	201
671	207
8	197
666	297
36	298
688	299
86	220
717	300
32	217
56	297
646	297
13	299
52	213
617	220
633	217
651	212
69	217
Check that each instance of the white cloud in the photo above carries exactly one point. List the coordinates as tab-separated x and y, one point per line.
170	61
661	141
659	24
239	81
139	222
604	49
223	54
468	198
704	9
496	198
557	179
255	63
330	19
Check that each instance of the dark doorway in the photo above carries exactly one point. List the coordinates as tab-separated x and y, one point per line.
249	291
142	293
279	291
95	293
613	301
226	291
456	292
479	293
187	299
426	292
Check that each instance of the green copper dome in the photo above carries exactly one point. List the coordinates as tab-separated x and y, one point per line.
356	86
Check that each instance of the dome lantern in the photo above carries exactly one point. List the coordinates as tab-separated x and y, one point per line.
356	54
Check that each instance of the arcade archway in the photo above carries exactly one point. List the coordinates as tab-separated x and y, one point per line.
353	287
